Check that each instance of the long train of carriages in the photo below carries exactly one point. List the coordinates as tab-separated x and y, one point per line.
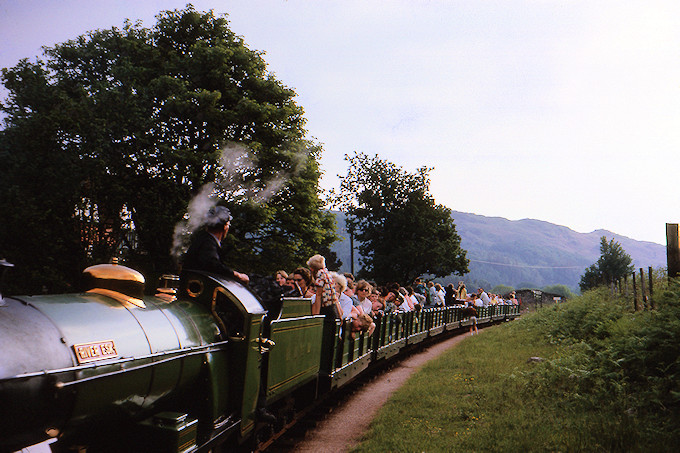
188	369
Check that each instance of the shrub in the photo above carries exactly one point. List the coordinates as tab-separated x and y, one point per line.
614	361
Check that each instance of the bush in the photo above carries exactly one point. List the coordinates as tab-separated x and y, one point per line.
583	318
616	362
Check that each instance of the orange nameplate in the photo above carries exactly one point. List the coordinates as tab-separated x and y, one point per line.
99	350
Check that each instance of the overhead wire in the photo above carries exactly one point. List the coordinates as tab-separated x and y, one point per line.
526	265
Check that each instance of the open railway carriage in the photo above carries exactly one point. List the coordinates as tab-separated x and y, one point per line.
110	369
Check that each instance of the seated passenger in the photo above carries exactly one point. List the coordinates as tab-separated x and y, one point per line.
484	297
420	299
494	299
415	303
363	290
440	295
420	290
377	306
302	279
461	292
431	294
402	301
391	298
351	287
345	301
449	294
476	301
281	278
360	322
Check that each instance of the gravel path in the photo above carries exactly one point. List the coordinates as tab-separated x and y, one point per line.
332	434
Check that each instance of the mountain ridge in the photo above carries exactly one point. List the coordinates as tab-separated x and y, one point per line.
525	252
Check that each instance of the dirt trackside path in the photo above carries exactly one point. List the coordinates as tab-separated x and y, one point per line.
341	431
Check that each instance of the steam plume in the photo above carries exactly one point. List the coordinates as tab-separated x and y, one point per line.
236	183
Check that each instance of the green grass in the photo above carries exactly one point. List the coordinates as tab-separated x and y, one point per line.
601	387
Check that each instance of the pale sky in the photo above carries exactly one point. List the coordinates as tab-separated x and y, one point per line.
562	111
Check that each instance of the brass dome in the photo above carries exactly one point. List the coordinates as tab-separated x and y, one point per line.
119	282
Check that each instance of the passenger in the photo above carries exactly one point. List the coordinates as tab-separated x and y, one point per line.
377	306
470	312
351	287
361	322
290	281
461	292
476	301
287	282
402	301
326	300
484	297
303	280
420	299
389	298
440	295
349	277
431	294
420	290
345	301
450	296
363	290
281	278
206	253
415	303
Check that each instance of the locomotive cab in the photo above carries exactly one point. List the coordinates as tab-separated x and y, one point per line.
239	316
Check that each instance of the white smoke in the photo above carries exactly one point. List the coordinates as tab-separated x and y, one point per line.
193	219
237	182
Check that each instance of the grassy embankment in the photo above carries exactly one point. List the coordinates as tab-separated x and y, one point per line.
609	381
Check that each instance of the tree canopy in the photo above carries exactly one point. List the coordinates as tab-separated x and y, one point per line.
108	138
562	290
614	264
402	233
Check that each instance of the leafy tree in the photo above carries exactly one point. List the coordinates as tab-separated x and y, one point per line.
107	139
526	285
401	232
614	264
562	290
502	289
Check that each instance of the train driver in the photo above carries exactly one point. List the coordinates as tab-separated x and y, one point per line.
205	252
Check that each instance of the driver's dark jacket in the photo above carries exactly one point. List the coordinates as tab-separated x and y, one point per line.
205	254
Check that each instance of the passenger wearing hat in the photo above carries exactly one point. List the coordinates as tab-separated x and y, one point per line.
205	252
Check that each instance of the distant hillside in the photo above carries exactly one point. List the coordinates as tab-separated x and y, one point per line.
526	253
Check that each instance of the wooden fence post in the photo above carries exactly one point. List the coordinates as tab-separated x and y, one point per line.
672	250
651	288
642	289
635	304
